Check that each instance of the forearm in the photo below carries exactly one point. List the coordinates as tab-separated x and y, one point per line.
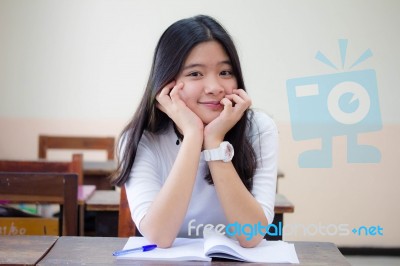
238	203
163	220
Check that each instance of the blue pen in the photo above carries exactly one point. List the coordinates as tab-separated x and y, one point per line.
139	249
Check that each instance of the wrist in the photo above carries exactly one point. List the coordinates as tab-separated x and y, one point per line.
224	153
212	143
193	137
212	138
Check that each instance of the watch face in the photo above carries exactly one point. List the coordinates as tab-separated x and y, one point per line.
228	151
228	155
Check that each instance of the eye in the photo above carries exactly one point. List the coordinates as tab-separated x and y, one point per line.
226	73
194	74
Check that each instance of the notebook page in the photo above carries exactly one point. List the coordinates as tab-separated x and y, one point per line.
183	249
266	251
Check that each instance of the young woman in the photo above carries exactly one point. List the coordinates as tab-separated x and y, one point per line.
194	153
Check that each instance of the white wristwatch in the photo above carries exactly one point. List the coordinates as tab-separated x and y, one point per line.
224	153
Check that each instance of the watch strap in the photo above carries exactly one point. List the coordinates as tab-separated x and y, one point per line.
223	153
212	155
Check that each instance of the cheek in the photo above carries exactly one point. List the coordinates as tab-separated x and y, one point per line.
186	95
230	87
189	93
183	92
183	95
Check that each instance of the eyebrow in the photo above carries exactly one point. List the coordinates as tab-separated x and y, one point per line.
225	62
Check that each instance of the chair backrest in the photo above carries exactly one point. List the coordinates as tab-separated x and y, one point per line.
74	166
126	226
81	143
57	188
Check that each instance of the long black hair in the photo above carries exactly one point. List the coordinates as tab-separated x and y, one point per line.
170	54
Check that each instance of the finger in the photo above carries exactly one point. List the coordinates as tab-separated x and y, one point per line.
167	88
162	98
236	99
242	93
160	107
162	103
163	95
228	105
238	102
175	91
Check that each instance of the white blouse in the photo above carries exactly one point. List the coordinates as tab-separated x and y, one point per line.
155	157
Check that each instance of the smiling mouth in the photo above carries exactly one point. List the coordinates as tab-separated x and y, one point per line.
211	102
214	105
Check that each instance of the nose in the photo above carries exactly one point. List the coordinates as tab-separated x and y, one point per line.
213	86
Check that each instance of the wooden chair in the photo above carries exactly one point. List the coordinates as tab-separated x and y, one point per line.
126	226
91	177
58	188
73	167
81	143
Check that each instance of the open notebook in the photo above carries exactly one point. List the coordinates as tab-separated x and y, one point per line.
214	245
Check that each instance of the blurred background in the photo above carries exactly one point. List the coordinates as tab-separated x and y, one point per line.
80	68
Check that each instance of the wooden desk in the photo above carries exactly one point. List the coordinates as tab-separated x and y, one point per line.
98	251
24	250
283	205
103	200
97	173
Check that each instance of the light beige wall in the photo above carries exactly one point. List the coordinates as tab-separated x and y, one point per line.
346	196
19	136
79	68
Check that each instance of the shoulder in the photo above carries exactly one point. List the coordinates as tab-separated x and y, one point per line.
161	144
162	138
260	122
149	140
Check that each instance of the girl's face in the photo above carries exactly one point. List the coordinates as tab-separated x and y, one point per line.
207	77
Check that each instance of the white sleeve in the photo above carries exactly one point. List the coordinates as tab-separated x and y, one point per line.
144	181
264	138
